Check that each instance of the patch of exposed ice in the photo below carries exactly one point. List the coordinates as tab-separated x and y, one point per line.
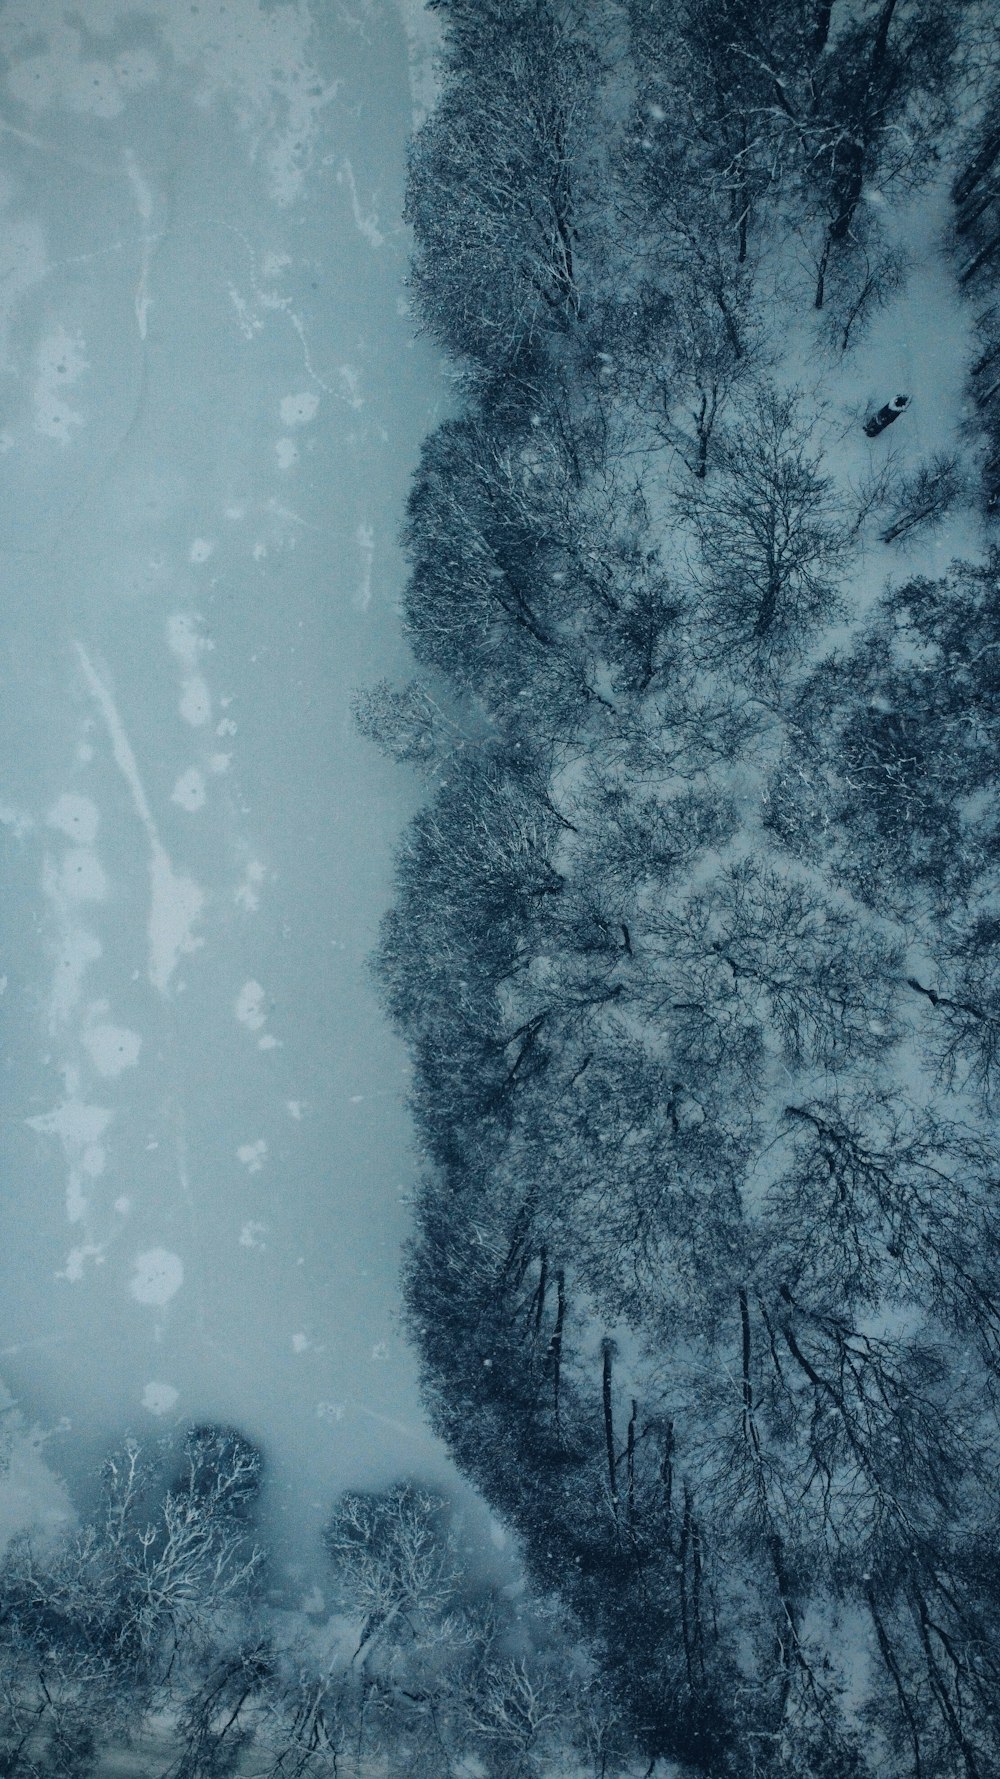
60	361
23	264
157	1276
81	878
60	74
18	820
135	69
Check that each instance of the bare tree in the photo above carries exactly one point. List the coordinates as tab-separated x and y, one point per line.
772	539
493	189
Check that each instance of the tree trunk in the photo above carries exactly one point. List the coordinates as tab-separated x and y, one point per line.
977	168
555	1344
630	1465
607	1353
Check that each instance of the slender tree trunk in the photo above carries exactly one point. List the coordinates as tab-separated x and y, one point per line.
821	28
630	1466
540	1293
824	261
978	167
607	1354
555	1344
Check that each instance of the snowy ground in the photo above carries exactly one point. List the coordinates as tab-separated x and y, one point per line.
211	407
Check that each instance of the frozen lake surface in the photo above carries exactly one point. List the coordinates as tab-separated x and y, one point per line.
212	403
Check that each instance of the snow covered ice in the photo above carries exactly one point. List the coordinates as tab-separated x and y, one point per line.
214	406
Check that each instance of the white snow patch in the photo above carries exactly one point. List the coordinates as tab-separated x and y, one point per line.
366	223
301	1343
184	639
157	1276
77	1259
250	1006
287	453
350	378
195	705
123	1205
201	549
298	410
176	905
251	1235
252	1155
31	1496
294	1108
189	791
175	902
75	1124
77	950
159	1399
76	817
424	42
365	539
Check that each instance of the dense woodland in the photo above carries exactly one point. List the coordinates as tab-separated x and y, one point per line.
149	1641
696	946
695	941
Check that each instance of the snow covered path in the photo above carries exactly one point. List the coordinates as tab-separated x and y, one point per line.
212	407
